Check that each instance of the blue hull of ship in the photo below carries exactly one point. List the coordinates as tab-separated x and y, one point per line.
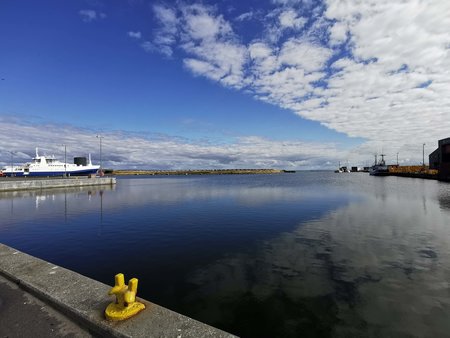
54	173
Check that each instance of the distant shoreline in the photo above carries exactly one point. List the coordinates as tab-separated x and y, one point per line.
199	172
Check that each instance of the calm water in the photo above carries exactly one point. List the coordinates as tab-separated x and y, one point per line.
306	254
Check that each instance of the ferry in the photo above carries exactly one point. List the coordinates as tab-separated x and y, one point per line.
380	168
47	166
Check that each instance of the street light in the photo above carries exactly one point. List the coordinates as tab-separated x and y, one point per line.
423	154
65	161
100	138
397	159
12	163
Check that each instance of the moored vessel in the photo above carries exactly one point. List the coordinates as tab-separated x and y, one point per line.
379	168
342	169
47	166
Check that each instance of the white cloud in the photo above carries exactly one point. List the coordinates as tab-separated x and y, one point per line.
148	46
290	19
288	2
338	33
245	16
165	36
89	15
226	57
128	150
259	50
167	17
304	55
407	45
199	67
135	35
388	82
208	40
202	24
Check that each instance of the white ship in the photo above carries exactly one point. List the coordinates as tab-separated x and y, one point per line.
342	169
49	166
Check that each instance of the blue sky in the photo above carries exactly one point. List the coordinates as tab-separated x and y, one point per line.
203	84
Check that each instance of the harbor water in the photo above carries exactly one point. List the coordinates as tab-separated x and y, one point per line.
311	254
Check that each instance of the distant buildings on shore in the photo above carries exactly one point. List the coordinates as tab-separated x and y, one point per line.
440	159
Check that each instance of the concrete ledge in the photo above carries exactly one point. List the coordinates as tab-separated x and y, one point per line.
9	184
84	300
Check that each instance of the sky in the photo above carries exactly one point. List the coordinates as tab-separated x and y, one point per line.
289	84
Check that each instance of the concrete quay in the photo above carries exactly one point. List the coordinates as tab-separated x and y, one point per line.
14	184
23	315
77	304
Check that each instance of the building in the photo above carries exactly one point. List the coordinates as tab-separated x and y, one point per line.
440	159
435	159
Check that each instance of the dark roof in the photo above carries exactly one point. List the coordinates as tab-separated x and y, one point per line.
444	141
435	153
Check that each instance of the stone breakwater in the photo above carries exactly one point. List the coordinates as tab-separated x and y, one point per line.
198	172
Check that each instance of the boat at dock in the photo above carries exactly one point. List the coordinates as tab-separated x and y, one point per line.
342	169
47	166
379	168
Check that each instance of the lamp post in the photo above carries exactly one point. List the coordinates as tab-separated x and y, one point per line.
423	154
100	138
397	159
12	164
65	160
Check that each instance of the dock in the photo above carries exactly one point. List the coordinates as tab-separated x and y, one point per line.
76	305
27	183
416	171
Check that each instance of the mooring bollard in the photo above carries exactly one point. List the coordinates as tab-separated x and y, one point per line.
125	305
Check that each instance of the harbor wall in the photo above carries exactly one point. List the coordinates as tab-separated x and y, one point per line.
11	184
199	172
414	171
414	175
84	300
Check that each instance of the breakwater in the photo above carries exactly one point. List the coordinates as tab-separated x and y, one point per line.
198	172
14	184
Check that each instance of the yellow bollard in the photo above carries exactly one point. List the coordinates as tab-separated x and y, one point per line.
125	305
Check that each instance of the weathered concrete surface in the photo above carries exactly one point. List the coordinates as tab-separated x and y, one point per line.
8	184
84	300
22	315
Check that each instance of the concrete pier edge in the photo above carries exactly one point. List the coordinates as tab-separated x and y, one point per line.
38	184
84	300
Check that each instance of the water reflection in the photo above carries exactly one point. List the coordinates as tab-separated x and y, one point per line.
354	272
22	194
39	205
444	196
309	254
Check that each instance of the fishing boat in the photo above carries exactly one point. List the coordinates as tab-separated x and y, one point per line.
47	166
379	168
342	169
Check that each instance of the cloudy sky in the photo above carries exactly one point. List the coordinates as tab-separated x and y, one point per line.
294	84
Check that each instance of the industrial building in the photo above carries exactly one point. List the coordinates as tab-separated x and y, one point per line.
440	159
